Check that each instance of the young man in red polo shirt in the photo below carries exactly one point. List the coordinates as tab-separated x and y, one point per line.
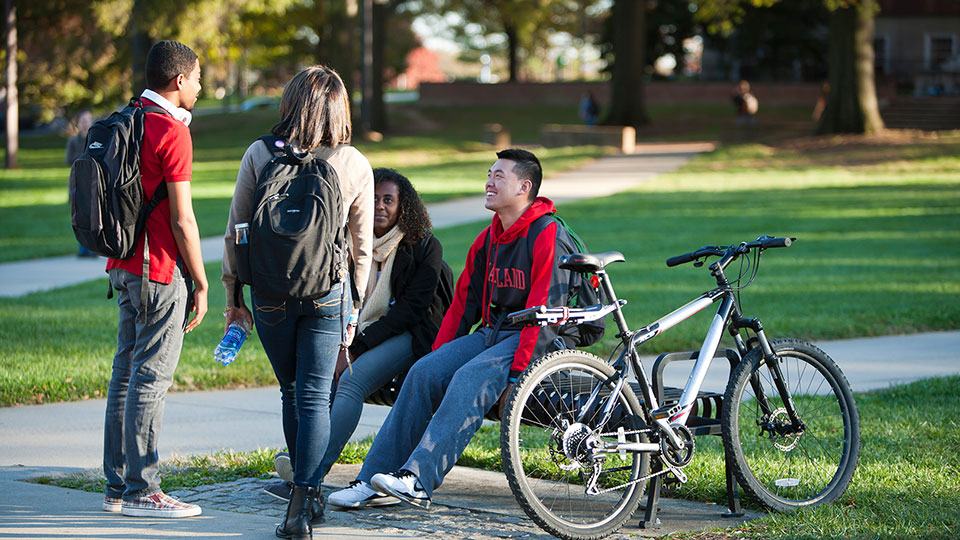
147	353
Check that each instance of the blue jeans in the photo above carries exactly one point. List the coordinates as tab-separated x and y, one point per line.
371	370
147	355
302	339
441	405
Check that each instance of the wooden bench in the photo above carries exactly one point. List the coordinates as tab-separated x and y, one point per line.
622	137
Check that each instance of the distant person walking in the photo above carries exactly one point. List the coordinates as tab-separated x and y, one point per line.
77	143
75	147
745	103
589	109
148	352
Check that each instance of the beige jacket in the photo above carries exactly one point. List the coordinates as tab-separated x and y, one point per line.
356	187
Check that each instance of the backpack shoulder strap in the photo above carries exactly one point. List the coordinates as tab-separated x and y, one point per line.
573	235
136	102
273	143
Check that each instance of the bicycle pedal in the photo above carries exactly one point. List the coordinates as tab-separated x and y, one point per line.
667	411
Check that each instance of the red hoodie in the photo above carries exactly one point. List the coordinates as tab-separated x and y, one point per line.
510	270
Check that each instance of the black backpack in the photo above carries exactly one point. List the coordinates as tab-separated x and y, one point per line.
443	297
107	208
582	292
296	240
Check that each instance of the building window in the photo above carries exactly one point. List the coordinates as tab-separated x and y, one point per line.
881	56
940	49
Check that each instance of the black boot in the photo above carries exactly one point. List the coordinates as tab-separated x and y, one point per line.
296	524
316	508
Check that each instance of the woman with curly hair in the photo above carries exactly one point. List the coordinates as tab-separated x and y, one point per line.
400	317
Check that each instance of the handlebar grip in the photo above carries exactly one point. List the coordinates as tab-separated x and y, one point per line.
776	242
680	259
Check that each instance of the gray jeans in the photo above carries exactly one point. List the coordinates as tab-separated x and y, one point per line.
371	370
147	356
440	407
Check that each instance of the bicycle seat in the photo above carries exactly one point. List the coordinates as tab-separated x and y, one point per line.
589	262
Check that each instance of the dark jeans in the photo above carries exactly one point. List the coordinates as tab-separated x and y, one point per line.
147	355
371	370
441	405
302	339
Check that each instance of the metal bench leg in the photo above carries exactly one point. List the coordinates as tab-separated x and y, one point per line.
650	519
733	491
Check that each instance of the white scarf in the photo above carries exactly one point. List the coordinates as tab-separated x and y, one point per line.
376	302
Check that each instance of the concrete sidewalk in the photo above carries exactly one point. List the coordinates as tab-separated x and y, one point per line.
599	178
472	504
70	434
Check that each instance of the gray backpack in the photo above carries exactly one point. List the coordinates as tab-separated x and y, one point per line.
296	247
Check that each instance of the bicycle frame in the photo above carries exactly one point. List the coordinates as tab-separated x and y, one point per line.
728	317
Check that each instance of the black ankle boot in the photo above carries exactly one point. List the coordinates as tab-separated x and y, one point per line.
316	508
296	524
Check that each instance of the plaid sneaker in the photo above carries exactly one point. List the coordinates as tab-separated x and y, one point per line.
159	505
111	504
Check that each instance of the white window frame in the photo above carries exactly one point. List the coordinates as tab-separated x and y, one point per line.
928	46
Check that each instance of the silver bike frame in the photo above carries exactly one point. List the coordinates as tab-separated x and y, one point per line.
681	411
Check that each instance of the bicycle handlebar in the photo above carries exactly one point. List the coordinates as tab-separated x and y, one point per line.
764	242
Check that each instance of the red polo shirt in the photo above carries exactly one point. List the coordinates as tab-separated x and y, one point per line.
166	155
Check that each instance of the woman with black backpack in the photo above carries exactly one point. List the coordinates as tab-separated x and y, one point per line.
400	317
296	189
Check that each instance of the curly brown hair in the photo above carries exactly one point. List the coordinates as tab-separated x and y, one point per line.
414	221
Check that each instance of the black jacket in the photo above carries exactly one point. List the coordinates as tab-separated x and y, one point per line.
414	305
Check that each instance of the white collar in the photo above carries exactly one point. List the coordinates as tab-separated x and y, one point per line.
179	113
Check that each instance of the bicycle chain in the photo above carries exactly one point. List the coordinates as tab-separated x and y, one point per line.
681	476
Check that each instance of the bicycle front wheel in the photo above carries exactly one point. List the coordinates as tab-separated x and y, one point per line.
779	465
548	436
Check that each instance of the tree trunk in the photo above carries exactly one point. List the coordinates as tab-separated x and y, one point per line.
139	45
366	73
13	113
512	45
852	102
378	111
627	106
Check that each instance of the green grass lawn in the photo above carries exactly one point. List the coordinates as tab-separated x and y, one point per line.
443	158
906	484
878	252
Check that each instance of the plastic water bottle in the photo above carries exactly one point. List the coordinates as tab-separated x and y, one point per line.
230	344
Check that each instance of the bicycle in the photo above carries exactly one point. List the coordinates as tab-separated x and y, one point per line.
578	443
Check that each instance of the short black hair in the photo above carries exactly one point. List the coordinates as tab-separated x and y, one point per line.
527	167
166	60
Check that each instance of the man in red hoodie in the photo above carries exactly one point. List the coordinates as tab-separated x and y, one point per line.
512	265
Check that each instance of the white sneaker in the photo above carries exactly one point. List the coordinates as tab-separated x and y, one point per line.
281	462
403	485
359	495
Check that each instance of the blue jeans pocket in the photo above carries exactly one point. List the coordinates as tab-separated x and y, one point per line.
269	312
330	306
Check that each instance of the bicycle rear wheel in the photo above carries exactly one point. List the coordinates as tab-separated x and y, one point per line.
782	468
546	451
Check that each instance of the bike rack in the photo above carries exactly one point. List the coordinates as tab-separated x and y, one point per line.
703	420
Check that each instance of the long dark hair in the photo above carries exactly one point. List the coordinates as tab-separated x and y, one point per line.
414	221
314	110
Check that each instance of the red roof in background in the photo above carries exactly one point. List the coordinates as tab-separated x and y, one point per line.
893	8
